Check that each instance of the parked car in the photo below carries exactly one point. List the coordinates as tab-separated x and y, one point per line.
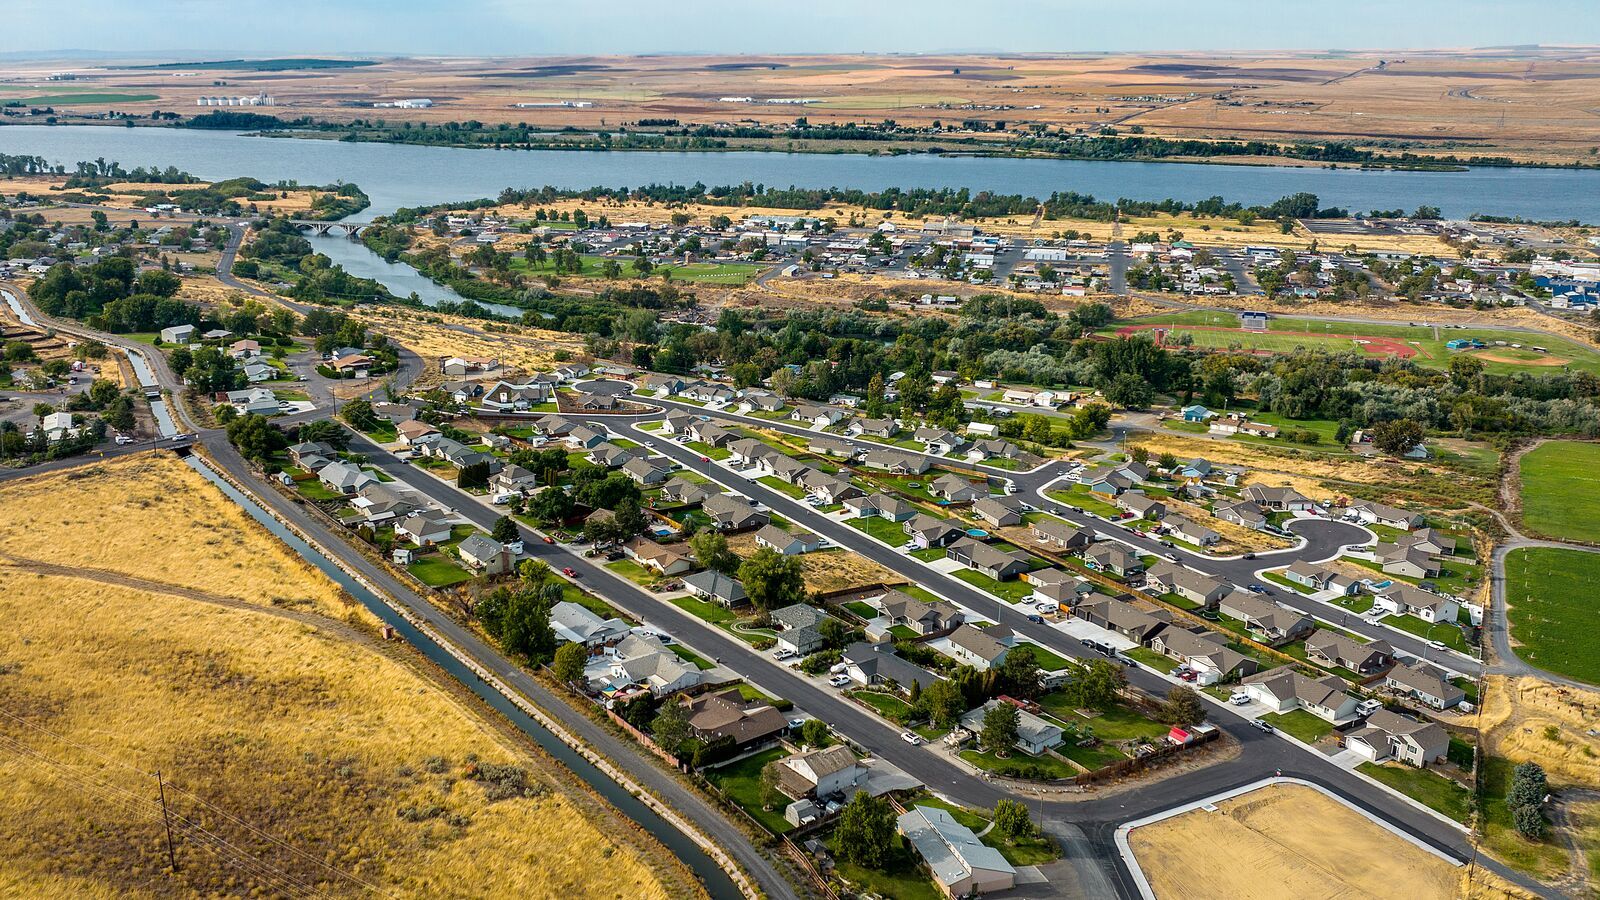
911	737
705	459
839	680
549	540
1240	699
1262	726
569	572
1036	619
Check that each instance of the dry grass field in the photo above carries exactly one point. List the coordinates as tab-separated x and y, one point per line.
435	336
155	630
1531	104
1283	842
1527	718
828	570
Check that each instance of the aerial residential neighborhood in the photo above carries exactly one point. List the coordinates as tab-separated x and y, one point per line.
650	452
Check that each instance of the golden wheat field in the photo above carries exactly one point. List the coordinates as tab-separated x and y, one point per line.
150	629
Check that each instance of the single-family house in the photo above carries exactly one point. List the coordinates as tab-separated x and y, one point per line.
260	401
1205	653
576	624
961	864
514	479
789	543
732	512
1388	516
244	349
896	462
485	555
1406	561
1141	506
1034	735
1277	499
643	661
1188	584
711	434
1266	620
647	472
928	532
978	648
1241	512
954	488
999	512
1001	565
1389	735
749	452
424	528
1424	683
1283	690
683	491
878	428
415	433
835	447
1197	413
1429	540
1059	535
1190	531
878	664
177	334
921	616
344	478
823	773
1123	618
1405	600
882	506
727	715
1106	482
709	584
1330	648
656	558
1113	559
828	488
938	441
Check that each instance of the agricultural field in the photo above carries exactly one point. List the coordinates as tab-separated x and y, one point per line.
1423	345
1282	842
1552	600
1559	490
183	638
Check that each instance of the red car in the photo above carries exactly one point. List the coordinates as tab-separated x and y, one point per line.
549	540
705	459
569	572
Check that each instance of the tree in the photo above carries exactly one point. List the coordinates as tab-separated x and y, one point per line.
255	437
1528	786
1096	687
771	777
1529	822
1011	819
1182	707
710	548
1397	437
1019	673
569	662
671	726
814	733
505	530
525	628
1001	724
866	831
474	475
325	431
772	580
550	506
360	415
944	704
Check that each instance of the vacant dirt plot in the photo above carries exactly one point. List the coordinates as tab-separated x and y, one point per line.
828	570
301	754
1285	841
437	337
1519	715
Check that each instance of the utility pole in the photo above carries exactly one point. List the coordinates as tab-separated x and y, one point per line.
172	859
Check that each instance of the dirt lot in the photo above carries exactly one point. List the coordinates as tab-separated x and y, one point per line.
827	570
1519	715
435	337
157	629
1282	842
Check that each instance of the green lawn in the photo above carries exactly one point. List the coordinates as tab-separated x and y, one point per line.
1097	757
919	592
1300	724
1551	593
1078	496
904	632
1434	791
892	708
783	487
1045	768
1048	659
632	571
715	613
709	451
741	781
1445	633
1119	723
929	554
891	533
1014	591
864	610
1560	480
439	571
312	489
700	662
904	878
1278	579
1150	658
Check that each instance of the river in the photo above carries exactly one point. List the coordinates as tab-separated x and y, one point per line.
396	175
717	882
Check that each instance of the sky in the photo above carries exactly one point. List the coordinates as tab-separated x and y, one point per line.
540	27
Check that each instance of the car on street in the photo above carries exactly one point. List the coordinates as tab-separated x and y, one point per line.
124	439
1036	619
549	540
1262	726
1438	645
1257	589
569	572
911	737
